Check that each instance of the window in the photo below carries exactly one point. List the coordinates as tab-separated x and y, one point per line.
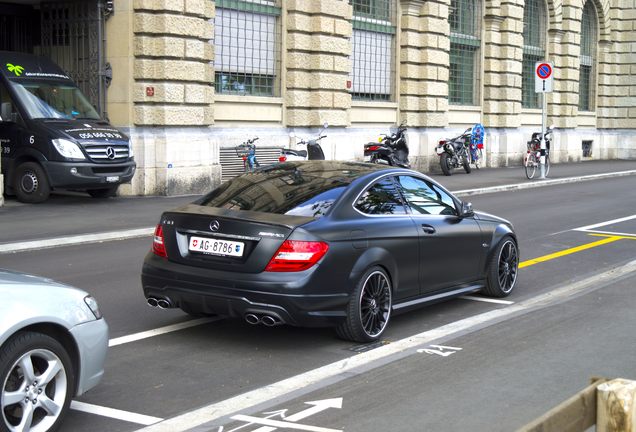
587	83
464	19
373	49
382	198
426	198
247	47
534	28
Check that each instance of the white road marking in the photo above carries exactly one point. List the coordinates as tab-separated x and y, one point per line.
346	368
487	300
75	240
160	331
283	424
602	224
115	413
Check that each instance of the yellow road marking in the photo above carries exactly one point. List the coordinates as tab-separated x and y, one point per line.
625	237
606	240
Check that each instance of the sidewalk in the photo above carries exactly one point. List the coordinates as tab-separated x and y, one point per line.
77	214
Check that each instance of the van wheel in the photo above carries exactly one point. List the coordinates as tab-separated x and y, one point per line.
103	193
30	183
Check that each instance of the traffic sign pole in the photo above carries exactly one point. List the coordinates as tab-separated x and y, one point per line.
543	84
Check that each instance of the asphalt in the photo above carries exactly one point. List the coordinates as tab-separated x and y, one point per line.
75	214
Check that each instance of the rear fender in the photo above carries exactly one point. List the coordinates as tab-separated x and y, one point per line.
375	257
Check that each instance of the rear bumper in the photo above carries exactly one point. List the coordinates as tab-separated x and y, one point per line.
294	298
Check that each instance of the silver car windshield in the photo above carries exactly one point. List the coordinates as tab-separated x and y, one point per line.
52	100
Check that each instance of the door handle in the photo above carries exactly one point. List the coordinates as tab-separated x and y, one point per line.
428	229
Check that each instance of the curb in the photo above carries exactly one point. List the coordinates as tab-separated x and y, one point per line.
143	232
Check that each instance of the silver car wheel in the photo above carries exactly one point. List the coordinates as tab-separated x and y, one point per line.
34	391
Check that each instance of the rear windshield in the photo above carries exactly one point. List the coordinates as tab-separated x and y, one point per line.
291	189
53	100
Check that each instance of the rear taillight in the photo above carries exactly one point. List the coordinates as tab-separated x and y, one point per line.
296	255
282	158
158	246
442	142
373	148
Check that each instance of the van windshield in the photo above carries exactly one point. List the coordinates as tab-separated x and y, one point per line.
53	100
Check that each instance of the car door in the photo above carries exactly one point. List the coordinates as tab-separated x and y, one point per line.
391	234
8	128
450	246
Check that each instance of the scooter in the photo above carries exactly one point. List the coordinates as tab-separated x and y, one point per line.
313	152
247	152
453	152
390	149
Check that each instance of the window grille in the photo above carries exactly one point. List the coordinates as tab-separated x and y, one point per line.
534	28
247	47
587	83
465	26
373	49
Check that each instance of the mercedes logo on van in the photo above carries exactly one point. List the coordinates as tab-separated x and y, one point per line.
110	153
215	225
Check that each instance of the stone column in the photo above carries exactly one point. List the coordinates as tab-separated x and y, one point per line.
173	96
317	62
503	57
564	48
424	62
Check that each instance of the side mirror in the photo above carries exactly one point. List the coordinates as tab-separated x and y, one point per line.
5	111
467	210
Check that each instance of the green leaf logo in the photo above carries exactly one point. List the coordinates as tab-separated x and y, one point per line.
17	70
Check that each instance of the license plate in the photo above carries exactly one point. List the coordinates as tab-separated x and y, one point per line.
439	150
216	246
112	179
367	158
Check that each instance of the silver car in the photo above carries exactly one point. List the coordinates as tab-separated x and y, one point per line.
53	343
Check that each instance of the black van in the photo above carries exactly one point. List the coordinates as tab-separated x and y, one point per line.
51	137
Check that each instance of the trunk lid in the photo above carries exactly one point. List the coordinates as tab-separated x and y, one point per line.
222	239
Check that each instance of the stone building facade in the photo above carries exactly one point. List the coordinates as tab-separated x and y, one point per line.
163	94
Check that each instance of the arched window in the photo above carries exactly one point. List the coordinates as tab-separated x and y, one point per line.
465	40
373	49
587	83
534	29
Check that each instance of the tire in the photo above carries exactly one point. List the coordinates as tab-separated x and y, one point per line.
480	156
466	164
369	308
104	192
30	183
444	161
547	165
502	269
47	398
529	165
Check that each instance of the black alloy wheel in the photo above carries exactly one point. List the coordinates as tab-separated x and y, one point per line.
30	183
369	308
503	269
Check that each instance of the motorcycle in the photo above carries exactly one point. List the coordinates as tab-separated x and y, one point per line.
313	152
390	149
247	152
454	152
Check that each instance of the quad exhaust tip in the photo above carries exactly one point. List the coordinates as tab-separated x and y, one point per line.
159	302
268	320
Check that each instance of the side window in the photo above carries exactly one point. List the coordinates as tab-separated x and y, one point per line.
382	198
426	198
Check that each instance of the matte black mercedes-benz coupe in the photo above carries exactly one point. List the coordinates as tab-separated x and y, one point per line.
326	243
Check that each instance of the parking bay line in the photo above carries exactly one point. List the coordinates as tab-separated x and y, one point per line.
115	413
160	331
569	251
347	367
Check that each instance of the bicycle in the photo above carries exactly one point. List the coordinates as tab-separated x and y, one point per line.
247	152
532	158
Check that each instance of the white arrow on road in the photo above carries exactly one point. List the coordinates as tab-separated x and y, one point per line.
268	415
317	407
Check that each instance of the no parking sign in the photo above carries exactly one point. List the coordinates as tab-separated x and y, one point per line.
543	77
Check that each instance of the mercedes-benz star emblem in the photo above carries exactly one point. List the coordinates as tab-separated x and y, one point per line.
110	153
215	225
